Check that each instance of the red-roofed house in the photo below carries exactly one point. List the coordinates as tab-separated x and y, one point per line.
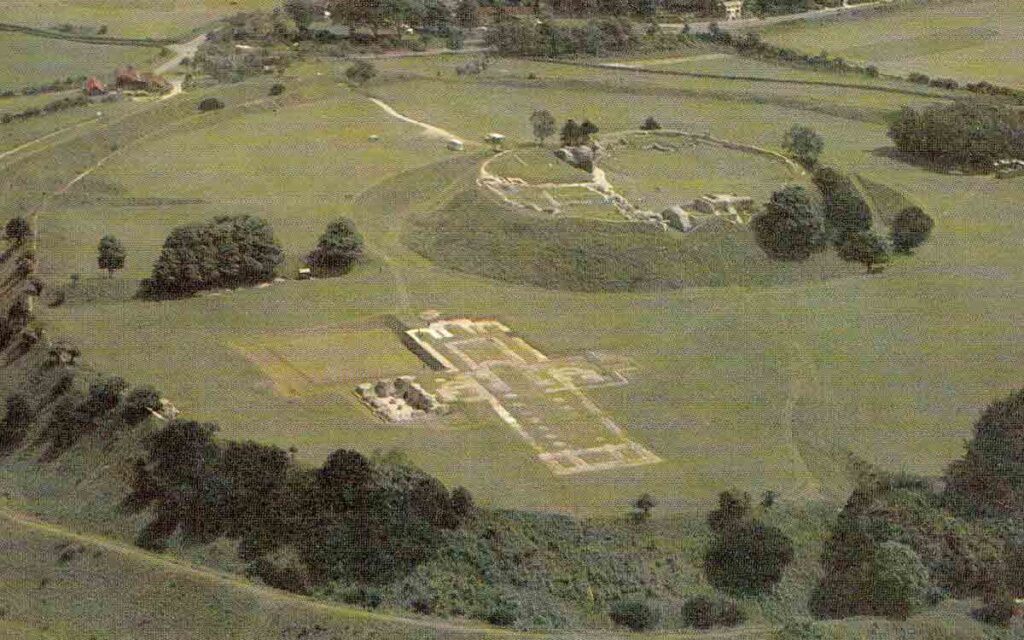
94	87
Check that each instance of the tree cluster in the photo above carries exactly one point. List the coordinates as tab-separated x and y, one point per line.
514	37
965	135
353	518
228	251
747	556
575	133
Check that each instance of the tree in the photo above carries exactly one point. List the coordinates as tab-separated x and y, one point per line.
964	134
989	479
104	396
543	124
338	248
210	104
16	421
467	14
650	124
790	227
17	230
865	247
587	130
844	209
360	72
733	512
303	12
139	403
642	508
571	134
705	612
804	144
111	255
910	229
748	560
635	615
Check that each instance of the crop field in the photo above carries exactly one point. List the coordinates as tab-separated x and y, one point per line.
32	60
969	41
749	373
127	18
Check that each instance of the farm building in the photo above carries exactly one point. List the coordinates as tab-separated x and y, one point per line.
94	87
130	79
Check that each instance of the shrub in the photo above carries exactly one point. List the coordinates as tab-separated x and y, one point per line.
210	104
705	612
910	229
276	89
16	421
650	124
283	569
362	596
17	229
997	610
635	615
139	403
360	72
502	615
749	560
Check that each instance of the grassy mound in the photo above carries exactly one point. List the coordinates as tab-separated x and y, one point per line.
474	234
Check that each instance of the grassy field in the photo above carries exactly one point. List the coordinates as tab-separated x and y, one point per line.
128	18
31	60
760	375
977	40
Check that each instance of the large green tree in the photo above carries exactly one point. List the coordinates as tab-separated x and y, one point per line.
865	247
111	255
910	229
844	209
804	144
791	226
748	560
543	124
338	248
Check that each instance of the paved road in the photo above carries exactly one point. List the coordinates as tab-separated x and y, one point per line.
748	23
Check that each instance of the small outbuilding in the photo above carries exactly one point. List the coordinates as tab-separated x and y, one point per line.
94	87
305	273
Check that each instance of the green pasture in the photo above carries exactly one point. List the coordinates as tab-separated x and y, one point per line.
689	168
128	18
969	41
31	60
757	374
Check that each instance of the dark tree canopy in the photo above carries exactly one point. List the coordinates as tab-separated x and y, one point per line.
227	252
635	615
111	254
748	560
965	134
791	227
804	144
17	229
467	14
138	404
843	207
338	248
865	247
989	479
910	229
17	419
732	513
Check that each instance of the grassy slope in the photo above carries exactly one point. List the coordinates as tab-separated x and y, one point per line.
976	40
756	387
30	60
131	18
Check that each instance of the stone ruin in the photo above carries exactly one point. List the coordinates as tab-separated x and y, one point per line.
581	157
399	399
711	210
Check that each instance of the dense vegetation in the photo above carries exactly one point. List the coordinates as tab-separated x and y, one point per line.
226	252
516	37
338	248
965	135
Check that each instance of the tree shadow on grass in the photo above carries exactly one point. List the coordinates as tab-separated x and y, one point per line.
920	162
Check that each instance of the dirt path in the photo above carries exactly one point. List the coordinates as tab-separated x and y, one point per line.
429	129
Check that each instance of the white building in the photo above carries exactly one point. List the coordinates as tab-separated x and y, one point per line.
733	9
